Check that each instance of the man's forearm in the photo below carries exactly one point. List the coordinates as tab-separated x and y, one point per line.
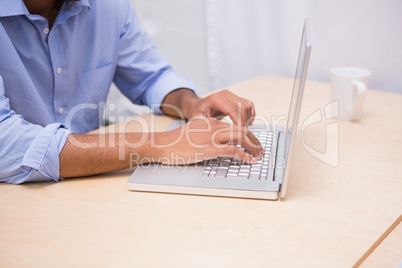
201	138
179	102
85	154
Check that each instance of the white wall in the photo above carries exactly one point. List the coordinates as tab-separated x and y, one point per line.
218	43
259	37
177	27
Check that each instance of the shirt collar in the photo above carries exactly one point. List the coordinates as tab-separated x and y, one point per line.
14	7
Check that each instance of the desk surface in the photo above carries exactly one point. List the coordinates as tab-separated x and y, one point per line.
330	217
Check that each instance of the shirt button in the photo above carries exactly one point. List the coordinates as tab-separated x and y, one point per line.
46	30
58	70
61	110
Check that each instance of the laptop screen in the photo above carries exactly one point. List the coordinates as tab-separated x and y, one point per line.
297	95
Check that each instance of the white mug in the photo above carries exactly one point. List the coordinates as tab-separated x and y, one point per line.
349	87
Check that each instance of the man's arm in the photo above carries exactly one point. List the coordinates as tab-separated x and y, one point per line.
28	152
89	154
199	139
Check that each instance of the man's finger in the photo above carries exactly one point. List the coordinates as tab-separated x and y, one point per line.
236	153
243	106
238	135
250	123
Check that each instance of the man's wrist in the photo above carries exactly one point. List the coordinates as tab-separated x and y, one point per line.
188	103
156	148
140	147
180	103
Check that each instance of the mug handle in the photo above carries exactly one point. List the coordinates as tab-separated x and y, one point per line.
361	90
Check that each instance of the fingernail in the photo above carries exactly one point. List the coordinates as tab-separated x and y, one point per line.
254	160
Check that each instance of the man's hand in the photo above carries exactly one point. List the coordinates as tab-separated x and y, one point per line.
205	138
184	102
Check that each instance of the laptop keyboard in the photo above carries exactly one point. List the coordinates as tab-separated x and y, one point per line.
224	167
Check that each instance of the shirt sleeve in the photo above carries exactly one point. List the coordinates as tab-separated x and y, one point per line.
28	152
143	74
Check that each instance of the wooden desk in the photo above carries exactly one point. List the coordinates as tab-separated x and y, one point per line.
330	218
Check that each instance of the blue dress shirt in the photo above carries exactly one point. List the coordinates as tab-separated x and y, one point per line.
55	82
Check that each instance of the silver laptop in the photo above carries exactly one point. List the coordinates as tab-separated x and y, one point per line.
229	177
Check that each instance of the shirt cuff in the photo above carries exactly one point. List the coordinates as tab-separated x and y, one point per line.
42	156
168	82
